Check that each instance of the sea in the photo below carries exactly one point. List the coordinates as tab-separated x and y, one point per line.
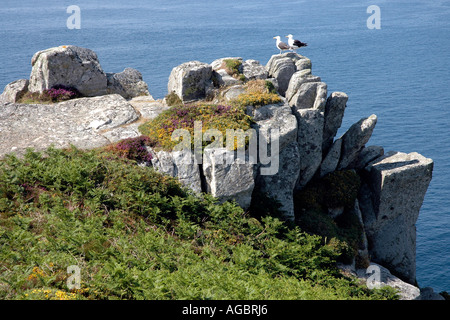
392	58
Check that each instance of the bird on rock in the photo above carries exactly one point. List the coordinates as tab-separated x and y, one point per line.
282	46
295	44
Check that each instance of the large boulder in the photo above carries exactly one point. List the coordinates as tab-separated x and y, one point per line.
297	79
280	186
334	113
310	133
179	164
128	83
354	140
253	70
82	122
218	63
310	95
280	182
190	80
69	66
14	91
390	199
228	177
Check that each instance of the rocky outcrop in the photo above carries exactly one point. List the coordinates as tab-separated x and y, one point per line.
331	160
178	164
227	178
254	70
190	80
280	185
310	95
390	199
306	147
354	140
14	91
81	122
334	113
75	67
128	83
70	66
283	66
296	81
310	136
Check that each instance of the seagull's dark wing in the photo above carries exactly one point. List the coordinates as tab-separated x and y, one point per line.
283	46
299	44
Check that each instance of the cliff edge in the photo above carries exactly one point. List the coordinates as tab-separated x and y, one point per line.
294	135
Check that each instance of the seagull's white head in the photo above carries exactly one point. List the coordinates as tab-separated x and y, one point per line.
277	37
289	36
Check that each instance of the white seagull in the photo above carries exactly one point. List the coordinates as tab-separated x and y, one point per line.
295	44
281	45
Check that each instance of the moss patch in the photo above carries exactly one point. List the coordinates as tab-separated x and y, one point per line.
172	99
232	66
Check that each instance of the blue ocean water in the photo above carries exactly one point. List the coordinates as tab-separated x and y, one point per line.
398	72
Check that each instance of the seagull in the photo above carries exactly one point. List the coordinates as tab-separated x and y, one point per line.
281	45
295	44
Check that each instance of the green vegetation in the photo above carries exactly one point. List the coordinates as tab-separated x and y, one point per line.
231	66
172	99
136	234
52	95
212	116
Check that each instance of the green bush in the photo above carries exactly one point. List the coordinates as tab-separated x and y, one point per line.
136	234
172	99
232	66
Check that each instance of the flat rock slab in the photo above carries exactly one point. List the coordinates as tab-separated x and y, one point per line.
81	122
148	107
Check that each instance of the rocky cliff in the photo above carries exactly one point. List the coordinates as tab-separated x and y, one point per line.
303	150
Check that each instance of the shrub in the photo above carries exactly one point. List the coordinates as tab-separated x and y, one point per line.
62	93
55	94
133	148
136	234
232	66
270	87
172	99
212	116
